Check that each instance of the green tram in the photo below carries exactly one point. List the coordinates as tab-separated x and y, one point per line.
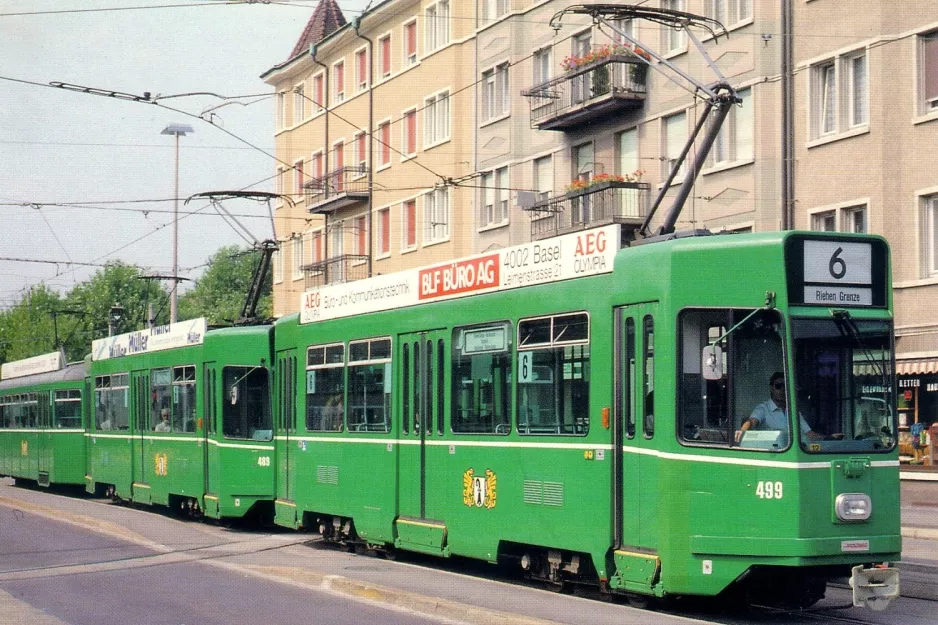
626	428
181	416
42	421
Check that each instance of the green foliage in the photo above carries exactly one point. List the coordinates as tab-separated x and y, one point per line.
116	283
27	329
220	293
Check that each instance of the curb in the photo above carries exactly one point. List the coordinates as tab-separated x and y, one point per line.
921	533
386	597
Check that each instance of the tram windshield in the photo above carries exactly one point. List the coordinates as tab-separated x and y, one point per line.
843	383
729	359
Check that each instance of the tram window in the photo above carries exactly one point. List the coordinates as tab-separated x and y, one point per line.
553	376
325	388
481	391
648	377
68	408
245	409
112	409
369	386
712	410
405	394
183	413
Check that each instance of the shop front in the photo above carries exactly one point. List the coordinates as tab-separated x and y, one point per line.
917	399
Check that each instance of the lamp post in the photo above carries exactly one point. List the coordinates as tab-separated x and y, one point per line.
177	130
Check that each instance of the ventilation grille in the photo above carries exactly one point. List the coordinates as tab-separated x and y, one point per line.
539	493
327	475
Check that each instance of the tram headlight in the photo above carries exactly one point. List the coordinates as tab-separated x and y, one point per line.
853	506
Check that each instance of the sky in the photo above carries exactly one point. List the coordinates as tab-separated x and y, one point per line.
87	179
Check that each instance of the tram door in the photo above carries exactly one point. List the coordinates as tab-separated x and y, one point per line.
423	390
140	387
636	470
44	438
286	423
210	453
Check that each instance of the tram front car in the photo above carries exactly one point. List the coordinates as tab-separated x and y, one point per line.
800	394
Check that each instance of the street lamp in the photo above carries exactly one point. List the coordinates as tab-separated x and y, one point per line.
178	130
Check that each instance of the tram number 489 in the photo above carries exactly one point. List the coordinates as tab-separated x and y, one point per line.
263	461
769	490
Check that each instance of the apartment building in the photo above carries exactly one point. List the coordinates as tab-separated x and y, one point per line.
865	102
371	124
553	127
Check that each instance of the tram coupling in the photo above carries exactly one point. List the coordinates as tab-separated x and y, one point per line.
874	587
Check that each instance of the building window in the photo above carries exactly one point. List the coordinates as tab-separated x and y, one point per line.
384	231
436	215
623	26
316	166
930	244
825	221
541	66
436	119
543	178
928	72
495	96
361	69
299	103
854	219
282	109
337	182
316	247
339	75
409	129
298	259
384	144
839	95
410	43
437	26
277	262
734	143
495	196
361	236
384	52
361	154
492	9
675	136
279	182
409	225
730	12
673	40
299	178
319	94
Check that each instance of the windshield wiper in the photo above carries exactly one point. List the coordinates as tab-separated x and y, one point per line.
848	326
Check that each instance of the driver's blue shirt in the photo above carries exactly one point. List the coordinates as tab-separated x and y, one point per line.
770	416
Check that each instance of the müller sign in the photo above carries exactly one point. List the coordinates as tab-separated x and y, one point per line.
155	339
585	253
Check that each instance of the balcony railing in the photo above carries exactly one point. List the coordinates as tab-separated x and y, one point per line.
345	268
597	205
337	189
614	83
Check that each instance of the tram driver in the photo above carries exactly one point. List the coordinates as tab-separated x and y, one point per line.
163	425
772	414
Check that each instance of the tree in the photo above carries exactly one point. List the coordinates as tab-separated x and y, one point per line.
118	283
220	293
28	328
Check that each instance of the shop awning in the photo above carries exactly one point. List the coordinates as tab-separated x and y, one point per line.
917	366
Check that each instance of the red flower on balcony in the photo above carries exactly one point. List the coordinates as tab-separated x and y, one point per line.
571	63
581	184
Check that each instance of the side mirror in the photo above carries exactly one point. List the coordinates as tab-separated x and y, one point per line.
712	362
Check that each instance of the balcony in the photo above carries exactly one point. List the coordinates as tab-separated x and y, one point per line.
599	204
343	187
336	270
588	93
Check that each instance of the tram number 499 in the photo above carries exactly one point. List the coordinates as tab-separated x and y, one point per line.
769	490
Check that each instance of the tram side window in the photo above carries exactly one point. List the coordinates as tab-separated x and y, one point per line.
369	385
111	411
246	410
161	384
554	375
184	399
68	408
482	379
727	359
325	388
